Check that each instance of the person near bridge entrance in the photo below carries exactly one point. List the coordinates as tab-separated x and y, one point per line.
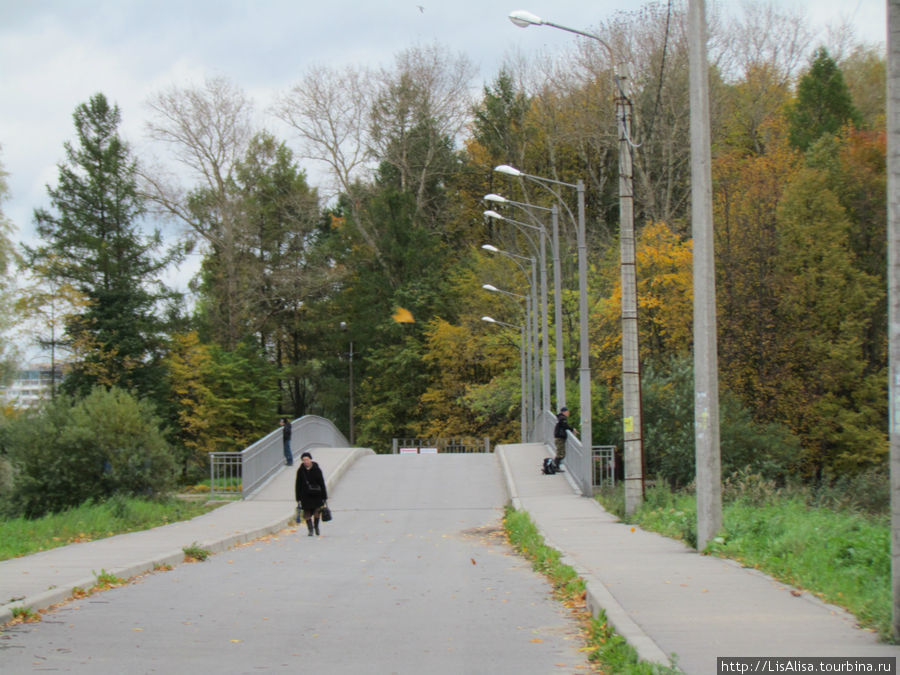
286	438
560	435
310	492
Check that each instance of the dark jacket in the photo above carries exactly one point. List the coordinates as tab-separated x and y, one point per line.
286	431
305	486
562	426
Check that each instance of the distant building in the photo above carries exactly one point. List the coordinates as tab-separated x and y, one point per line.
31	386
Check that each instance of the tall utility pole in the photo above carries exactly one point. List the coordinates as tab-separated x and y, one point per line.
706	365
632	416
893	262
631	368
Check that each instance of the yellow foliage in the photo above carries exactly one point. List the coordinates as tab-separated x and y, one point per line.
665	303
403	316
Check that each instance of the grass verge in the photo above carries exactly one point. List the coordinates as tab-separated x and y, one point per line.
607	651
21	536
841	556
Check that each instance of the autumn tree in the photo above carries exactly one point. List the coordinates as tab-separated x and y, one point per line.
207	129
665	297
828	391
748	191
93	241
865	72
223	400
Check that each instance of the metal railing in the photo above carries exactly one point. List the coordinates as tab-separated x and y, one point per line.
424	446
604	457
577	463
246	471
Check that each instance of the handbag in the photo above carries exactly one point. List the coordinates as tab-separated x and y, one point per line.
326	513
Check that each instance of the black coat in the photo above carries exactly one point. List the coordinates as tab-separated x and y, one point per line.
305	490
562	426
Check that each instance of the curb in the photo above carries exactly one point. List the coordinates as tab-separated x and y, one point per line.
55	596
597	596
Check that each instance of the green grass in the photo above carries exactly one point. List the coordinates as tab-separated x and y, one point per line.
195	552
607	651
841	556
21	536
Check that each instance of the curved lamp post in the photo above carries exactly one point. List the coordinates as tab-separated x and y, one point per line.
631	365
584	371
523	406
557	294
545	329
531	303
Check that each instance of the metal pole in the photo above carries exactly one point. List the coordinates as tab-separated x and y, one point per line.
557	316
352	430
545	325
584	373
893	270
631	360
706	384
535	354
524	404
529	372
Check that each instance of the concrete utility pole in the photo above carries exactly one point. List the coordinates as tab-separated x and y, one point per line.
632	416
632	413
893	262
706	365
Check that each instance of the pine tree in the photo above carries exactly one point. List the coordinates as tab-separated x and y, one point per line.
93	240
823	104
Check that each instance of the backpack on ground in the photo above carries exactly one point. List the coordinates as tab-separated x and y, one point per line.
549	466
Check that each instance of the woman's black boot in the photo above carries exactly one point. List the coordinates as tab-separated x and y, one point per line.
317	525
309	526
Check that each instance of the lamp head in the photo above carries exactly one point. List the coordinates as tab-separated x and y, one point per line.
508	170
489	287
491	248
493	214
524	19
495	198
489	319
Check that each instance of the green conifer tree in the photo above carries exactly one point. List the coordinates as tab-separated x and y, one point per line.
823	104
92	239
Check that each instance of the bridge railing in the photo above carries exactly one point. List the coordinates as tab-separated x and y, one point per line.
433	445
246	471
578	463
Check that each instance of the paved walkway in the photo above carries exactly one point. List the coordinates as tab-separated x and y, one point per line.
664	598
43	579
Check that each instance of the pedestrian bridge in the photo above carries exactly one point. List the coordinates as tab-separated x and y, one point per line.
247	471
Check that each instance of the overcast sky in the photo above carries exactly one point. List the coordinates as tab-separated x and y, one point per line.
55	54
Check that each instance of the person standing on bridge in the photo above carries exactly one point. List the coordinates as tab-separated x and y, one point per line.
560	434
310	492
286	437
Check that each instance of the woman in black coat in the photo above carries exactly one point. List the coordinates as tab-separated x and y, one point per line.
310	491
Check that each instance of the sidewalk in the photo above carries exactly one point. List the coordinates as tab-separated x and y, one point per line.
43	579
664	598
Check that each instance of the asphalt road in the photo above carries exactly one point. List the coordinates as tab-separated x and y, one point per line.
412	576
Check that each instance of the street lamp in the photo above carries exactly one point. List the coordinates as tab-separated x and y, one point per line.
531	304
545	349
631	365
584	371
352	431
523	422
557	295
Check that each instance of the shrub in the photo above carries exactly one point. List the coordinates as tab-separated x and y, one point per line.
105	444
668	407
